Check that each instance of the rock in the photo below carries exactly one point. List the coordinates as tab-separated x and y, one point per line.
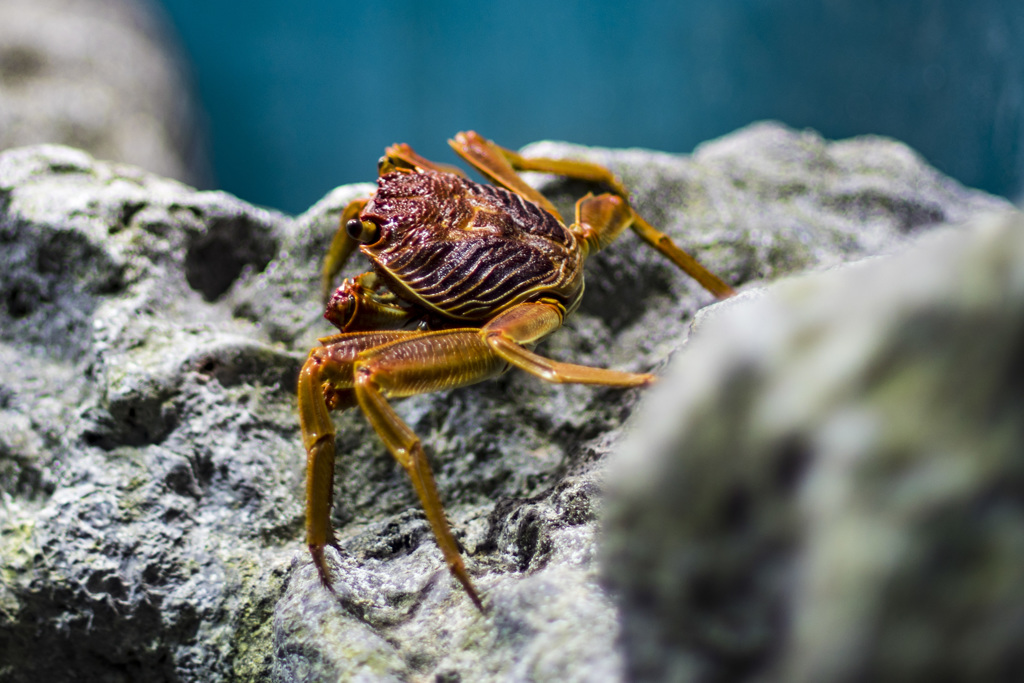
828	484
101	75
151	470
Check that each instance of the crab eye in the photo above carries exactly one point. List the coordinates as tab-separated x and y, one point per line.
362	231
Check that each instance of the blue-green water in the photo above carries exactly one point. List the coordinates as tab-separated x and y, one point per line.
304	96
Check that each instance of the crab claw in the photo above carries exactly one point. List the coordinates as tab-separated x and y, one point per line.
341	307
360	304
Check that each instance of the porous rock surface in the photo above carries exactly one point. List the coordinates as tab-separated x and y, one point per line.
151	470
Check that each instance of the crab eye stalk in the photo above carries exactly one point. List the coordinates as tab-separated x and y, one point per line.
363	231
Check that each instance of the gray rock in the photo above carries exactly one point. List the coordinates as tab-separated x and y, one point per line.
151	471
828	484
101	75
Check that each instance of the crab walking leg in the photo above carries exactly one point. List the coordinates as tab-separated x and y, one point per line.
342	246
502	165
405	446
687	263
424	362
325	383
495	163
318	439
431	361
600	219
401	155
524	325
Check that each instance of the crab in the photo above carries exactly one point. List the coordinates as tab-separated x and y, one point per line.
466	279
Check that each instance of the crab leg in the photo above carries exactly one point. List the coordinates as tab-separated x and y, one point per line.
342	246
325	383
401	155
432	361
502	165
498	165
422	363
318	439
407	449
687	263
373	367
524	325
602	218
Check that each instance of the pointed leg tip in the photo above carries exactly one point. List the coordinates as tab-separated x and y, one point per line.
320	562
467	585
474	597
725	292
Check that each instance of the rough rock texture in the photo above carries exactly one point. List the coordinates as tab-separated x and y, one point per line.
100	75
829	484
151	472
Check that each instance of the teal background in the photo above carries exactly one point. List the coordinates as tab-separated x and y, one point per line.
301	97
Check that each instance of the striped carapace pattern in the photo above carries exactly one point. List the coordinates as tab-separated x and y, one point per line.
466	250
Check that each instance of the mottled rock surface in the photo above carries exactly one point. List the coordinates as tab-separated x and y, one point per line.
829	483
104	76
151	471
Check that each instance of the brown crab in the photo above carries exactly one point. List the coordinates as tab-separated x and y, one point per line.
467	278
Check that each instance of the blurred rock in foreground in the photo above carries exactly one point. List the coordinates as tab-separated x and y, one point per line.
829	483
101	75
151	471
